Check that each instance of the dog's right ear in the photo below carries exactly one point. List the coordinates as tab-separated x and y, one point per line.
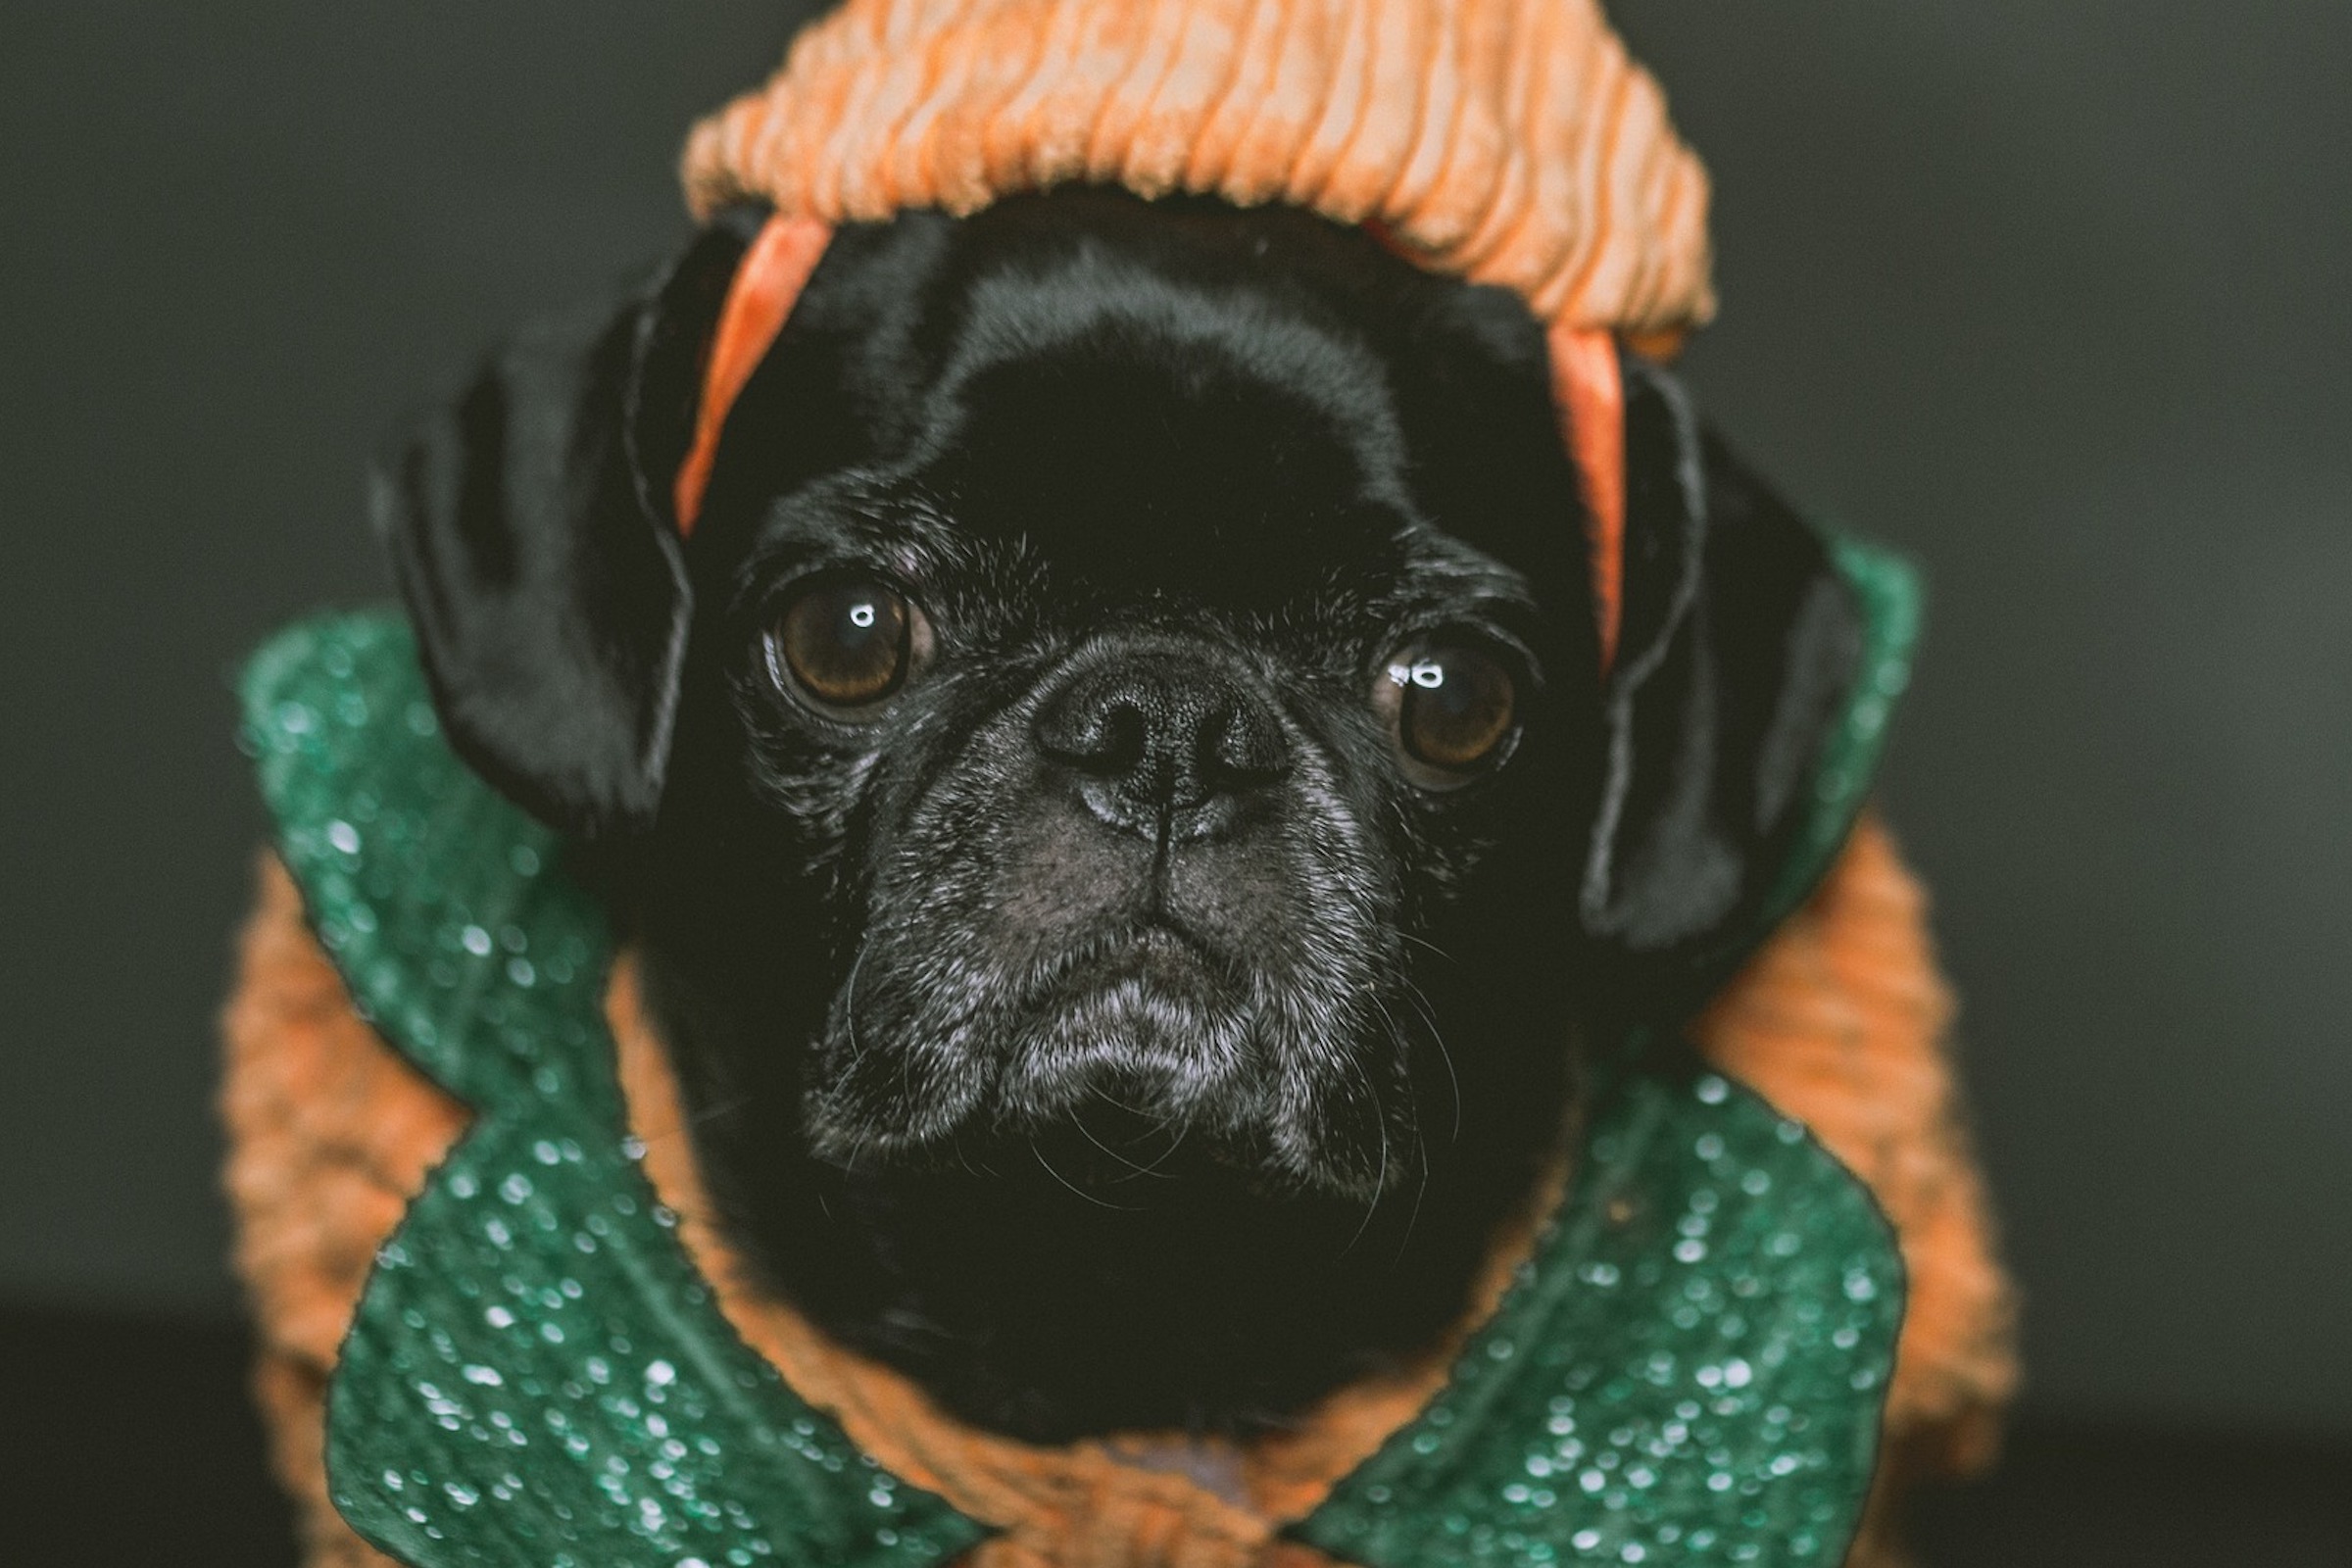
531	528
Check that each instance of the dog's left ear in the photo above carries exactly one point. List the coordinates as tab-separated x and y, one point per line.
1739	643
531	527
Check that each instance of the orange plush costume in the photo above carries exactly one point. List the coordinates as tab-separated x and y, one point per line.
1840	1021
1509	141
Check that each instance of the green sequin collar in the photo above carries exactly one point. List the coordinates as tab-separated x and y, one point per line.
1688	1370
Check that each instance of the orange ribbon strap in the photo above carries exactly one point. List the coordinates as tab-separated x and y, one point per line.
1588	387
775	268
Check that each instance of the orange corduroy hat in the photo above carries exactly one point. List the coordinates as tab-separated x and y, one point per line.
1510	142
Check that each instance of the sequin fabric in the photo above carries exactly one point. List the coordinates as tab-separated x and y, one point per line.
535	1374
1690	1369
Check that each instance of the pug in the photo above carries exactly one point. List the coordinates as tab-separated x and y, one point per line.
1129	836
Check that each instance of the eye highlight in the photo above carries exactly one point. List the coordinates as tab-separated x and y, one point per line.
1452	707
845	644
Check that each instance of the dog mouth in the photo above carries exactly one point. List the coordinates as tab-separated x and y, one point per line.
1153	954
1145	1048
1151	1018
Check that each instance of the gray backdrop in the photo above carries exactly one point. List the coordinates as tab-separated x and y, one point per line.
2050	292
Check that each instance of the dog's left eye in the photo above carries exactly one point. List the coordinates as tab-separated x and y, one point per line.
844	644
1452	707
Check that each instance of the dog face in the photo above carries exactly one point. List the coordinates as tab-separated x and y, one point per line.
1131	704
1131	699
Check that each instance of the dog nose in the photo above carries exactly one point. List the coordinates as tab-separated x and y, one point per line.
1165	741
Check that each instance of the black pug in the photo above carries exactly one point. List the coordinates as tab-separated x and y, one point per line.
1118	800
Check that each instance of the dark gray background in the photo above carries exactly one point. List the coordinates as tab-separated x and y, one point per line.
2051	292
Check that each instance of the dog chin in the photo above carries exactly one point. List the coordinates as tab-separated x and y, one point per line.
1129	1045
1146	1059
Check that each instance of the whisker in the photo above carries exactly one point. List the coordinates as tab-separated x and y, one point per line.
686	1123
1420	1191
712	1112
1420	1000
1158	1122
1422	941
1380	1182
1168	1154
1088	1133
1066	1182
848	1007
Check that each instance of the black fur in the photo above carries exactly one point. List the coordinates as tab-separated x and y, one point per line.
1111	1030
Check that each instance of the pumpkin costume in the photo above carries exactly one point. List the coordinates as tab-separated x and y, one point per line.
496	1324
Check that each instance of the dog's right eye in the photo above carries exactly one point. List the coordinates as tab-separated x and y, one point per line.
846	644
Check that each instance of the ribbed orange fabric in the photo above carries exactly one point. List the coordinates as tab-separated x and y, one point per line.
1840	1020
329	1136
1506	141
1829	1022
